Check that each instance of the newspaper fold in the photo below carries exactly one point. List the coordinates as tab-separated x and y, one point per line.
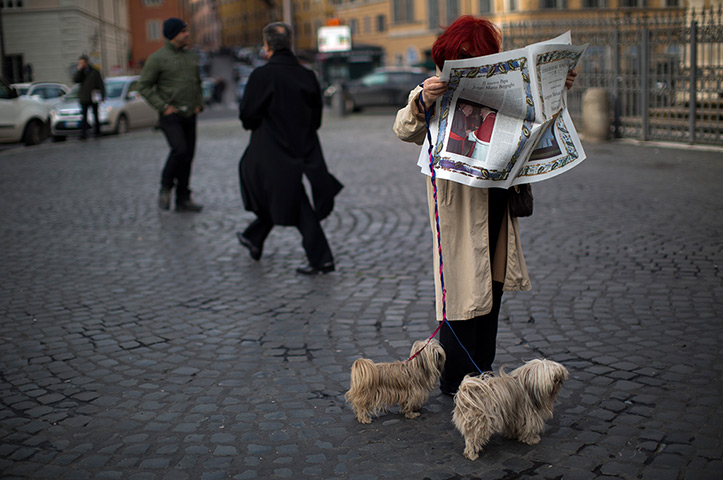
504	118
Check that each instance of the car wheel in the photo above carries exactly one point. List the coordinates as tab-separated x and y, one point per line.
121	126
59	138
349	105
34	132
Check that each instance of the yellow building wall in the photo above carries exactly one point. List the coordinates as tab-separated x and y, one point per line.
242	21
365	15
404	43
410	42
307	17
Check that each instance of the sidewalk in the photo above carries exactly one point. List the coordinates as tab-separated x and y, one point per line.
146	345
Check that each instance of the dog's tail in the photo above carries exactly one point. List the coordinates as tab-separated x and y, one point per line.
364	378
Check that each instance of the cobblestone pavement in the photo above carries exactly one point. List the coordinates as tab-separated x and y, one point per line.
146	345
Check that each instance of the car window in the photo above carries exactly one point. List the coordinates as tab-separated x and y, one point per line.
73	93
56	92
42	92
375	79
113	89
49	92
4	91
402	78
22	90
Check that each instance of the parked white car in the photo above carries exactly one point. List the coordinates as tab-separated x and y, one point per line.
21	118
123	109
49	92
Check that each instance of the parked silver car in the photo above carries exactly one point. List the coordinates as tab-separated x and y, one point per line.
21	118
49	92
123	109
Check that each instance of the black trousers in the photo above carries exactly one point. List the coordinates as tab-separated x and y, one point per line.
479	337
84	123
180	134
314	241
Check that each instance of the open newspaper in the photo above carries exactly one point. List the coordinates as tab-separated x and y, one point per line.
504	118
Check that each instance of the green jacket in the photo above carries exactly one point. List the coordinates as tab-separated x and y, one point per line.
171	76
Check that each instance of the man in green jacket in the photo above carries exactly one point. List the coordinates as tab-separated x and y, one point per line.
171	83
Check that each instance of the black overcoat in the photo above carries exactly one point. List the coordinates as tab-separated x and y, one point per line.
282	107
89	80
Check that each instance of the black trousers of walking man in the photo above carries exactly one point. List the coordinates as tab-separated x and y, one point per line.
181	136
314	241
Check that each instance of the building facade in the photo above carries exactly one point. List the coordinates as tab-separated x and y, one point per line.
243	20
408	28
44	38
146	26
307	16
205	24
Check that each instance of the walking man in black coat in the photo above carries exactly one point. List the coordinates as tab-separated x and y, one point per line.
90	93
282	107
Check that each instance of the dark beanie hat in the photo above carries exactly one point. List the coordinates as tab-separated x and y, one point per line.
173	27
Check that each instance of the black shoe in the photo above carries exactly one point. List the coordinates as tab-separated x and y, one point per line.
310	270
254	251
164	199
188	206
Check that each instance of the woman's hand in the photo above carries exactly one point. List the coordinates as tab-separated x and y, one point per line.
570	78
433	89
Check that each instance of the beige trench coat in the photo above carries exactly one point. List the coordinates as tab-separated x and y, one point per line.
468	268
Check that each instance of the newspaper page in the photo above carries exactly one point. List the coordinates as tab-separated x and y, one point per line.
504	119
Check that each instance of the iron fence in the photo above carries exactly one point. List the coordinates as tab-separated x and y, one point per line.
662	69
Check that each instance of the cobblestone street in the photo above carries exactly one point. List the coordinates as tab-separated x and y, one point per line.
139	344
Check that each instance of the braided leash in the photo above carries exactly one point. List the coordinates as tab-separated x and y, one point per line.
433	179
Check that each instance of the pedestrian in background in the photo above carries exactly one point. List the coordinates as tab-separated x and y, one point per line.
282	107
171	82
90	93
481	244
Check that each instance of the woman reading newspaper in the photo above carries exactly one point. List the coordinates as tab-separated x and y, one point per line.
481	244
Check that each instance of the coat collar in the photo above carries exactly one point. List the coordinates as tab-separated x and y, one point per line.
173	47
284	57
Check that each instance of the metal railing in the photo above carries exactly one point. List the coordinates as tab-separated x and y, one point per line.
662	69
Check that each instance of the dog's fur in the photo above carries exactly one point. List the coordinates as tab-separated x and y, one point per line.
515	405
377	386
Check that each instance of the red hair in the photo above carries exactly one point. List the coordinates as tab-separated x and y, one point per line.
467	37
